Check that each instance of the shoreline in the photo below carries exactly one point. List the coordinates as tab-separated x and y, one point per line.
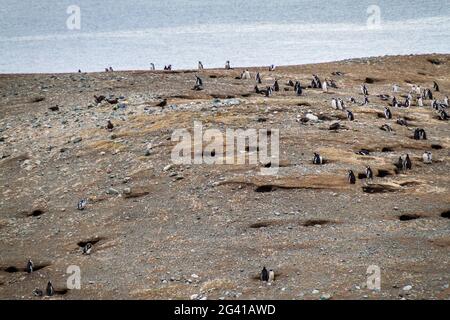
348	60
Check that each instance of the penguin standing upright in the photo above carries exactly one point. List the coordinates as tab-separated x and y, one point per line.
435	86
407	164
420	102
271	275
87	249
317	159
30	266
200	65
325	86
227	65
369	173
298	89
427	157
109	126
276	86
258	78
351	177
82	204
152	66
350	115
387	113
50	290
264	275
334	103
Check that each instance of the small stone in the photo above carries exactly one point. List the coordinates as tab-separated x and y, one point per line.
168	167
113	191
77	140
194	297
407	288
325	296
315	291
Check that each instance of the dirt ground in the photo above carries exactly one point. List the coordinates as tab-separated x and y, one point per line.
198	231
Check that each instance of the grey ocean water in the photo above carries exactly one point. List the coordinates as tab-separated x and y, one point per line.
131	34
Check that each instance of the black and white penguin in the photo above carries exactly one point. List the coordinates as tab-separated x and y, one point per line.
198	84
446	101
386	127
399	163
298	89
435	86
269	91
420	134
258	78
227	65
395	88
340	104
350	115
264	275
387	113
50	291
272	67
82	204
30	266
442	114
276	86
427	157
109	126
366	101
325	86
394	102
257	90
407	164
402	122
87	249
271	275
200	65
352	100
152	66
351	177
364	90
420	102
245	75
369	173
317	159
111	69
38	292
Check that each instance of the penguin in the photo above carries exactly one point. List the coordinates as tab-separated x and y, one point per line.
387	113
111	69
446	101
366	101
257	89
429	94
352	100
79	70
271	275
106	70
99	99
351	177
317	159
276	86
369	173
162	104
258	78
350	115
30	266
272	67
200	65
394	102
395	88
363	152
82	204
340	104
402	122
420	134
407	164
109	126
298	90
152	66
427	157
38	292
364	90
198	84
334	103
291	84
386	127
227	65
399	163
420	102
408	102
435	86
269	91
443	115
87	249
245	75
325	86
50	290
264	275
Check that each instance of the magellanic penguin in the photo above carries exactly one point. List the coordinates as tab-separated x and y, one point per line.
299	90
350	115
369	173
109	126
364	90
38	292
334	103
317	159
272	67
264	275
245	75
325	86
407	164
227	65
258	78
276	86
200	65
271	275
427	157
395	88
82	204
420	102
50	290
435	86
420	134
351	177
30	266
87	249
387	113
152	66
402	122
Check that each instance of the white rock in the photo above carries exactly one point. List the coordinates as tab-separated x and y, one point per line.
407	288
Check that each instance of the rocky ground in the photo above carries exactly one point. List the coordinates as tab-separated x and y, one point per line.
162	231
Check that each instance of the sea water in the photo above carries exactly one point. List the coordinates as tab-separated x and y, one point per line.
41	36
